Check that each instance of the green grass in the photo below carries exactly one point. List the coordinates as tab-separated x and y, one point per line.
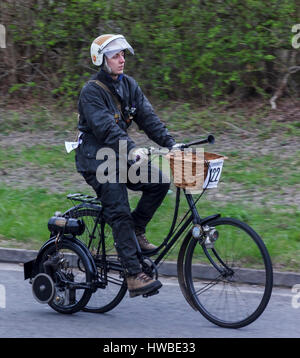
265	170
24	216
279	228
212	119
37	118
53	156
24	213
250	171
39	155
178	116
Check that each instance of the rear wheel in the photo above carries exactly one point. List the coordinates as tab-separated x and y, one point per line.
72	283
110	271
220	276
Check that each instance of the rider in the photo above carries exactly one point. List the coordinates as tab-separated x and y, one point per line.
107	105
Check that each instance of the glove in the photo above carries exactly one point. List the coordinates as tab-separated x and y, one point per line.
140	154
177	146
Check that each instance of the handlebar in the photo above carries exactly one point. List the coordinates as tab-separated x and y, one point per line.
162	151
210	139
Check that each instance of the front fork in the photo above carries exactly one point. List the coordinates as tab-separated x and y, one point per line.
207	235
201	230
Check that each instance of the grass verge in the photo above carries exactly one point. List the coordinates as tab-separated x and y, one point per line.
24	215
261	177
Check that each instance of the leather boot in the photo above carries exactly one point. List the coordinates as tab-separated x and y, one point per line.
143	242
141	284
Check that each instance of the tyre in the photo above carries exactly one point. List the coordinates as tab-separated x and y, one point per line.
72	285
110	271
221	277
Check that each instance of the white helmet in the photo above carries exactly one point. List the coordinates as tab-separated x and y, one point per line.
108	45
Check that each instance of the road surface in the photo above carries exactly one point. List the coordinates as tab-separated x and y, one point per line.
164	315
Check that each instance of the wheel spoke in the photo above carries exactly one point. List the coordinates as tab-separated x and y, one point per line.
109	267
207	286
220	279
72	283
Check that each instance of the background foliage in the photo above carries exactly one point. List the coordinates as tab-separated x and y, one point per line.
210	52
196	49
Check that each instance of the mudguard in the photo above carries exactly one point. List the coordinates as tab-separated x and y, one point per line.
180	270
209	218
181	261
31	268
82	205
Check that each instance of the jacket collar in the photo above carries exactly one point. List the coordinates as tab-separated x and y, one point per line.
105	77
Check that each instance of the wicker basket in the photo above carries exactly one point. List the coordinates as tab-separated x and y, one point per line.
189	169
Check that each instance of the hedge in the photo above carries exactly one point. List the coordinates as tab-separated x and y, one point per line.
195	49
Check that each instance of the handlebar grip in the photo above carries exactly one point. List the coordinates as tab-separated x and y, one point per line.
210	139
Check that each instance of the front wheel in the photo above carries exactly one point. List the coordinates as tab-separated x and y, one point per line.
230	280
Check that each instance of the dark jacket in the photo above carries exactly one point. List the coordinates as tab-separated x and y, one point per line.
99	123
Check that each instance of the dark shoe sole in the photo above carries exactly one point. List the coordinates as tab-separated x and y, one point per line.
156	285
149	252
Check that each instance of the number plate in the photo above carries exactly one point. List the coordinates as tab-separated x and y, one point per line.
214	174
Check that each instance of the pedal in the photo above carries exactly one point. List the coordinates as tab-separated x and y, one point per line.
155	292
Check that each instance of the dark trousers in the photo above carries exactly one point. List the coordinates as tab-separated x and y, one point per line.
123	221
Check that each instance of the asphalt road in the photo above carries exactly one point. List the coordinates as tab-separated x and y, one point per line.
165	315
